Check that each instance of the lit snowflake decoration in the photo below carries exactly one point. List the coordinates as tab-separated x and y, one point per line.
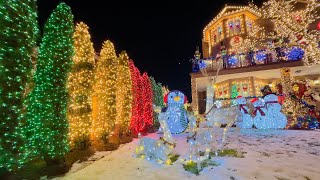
232	60
295	53
202	64
261	56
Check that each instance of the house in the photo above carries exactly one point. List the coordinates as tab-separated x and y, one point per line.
248	60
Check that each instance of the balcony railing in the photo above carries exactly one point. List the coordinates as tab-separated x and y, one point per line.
246	60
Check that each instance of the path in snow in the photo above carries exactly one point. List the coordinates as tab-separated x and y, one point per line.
271	154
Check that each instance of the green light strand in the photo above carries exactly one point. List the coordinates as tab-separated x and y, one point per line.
18	34
47	123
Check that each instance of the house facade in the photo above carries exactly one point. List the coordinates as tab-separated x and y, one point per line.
233	36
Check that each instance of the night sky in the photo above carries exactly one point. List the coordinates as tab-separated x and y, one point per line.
159	36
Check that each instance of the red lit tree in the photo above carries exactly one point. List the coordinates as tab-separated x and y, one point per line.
147	102
135	122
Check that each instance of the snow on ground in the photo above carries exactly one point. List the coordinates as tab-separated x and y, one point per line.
270	154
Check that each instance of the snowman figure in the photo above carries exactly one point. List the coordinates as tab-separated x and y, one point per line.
274	115
247	121
178	120
259	113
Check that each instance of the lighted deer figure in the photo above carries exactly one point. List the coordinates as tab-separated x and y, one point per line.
215	117
159	149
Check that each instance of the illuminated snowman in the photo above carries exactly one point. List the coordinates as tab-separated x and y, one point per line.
177	115
259	114
247	121
274	115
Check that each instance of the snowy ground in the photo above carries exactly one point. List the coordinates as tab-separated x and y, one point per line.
280	155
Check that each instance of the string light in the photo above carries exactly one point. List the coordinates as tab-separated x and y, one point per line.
286	88
105	92
80	82
47	123
18	34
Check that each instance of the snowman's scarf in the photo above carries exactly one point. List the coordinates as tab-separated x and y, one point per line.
260	110
241	106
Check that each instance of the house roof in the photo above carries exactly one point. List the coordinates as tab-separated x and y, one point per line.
228	10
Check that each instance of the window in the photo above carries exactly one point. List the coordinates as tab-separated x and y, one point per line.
237	26
231	28
219	33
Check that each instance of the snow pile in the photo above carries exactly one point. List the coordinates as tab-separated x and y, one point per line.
269	154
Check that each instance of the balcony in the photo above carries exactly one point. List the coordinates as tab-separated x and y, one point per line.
239	63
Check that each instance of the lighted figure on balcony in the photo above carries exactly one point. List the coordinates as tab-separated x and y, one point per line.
261	57
202	64
247	121
259	114
275	118
232	61
177	121
295	53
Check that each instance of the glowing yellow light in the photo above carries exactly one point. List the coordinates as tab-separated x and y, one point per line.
105	92
80	87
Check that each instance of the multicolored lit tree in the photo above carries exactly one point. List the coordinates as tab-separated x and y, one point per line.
18	33
105	92
123	95
47	122
136	113
147	95
80	88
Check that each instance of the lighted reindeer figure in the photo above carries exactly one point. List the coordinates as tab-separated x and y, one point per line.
215	117
191	139
157	149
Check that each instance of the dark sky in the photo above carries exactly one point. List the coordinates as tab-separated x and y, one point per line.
159	36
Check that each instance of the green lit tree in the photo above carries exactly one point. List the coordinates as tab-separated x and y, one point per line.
157	99
234	94
47	122
18	34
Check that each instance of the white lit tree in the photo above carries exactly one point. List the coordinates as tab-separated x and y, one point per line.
294	25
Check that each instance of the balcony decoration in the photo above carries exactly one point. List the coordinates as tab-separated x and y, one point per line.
202	64
296	53
307	122
297	18
232	60
261	56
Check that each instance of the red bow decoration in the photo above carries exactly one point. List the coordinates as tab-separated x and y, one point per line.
237	39
259	109
245	89
225	92
220	93
241	106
